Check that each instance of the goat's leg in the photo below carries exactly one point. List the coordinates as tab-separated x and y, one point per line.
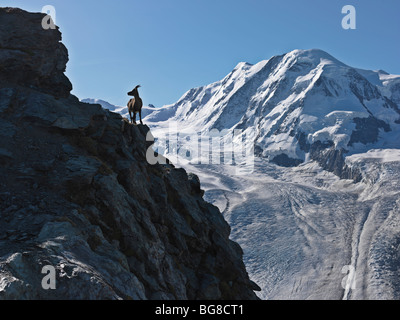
140	116
130	116
134	117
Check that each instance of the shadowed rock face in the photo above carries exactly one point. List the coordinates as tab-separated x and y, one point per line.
367	130
329	158
30	55
77	193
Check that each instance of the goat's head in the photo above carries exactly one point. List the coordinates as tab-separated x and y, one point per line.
134	92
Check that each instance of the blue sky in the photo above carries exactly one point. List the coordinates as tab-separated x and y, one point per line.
171	46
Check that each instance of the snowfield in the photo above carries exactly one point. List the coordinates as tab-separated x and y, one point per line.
305	232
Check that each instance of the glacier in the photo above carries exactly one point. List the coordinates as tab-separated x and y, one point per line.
317	213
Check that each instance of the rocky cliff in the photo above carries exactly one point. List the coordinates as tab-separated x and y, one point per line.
77	193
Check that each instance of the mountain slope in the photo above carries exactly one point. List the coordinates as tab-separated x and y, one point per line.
302	105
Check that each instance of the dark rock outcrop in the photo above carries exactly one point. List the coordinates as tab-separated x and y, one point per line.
77	194
30	55
367	130
333	160
329	157
284	160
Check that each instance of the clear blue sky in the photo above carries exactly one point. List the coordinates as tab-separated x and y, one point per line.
171	46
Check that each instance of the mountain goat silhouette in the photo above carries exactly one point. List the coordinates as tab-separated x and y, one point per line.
135	105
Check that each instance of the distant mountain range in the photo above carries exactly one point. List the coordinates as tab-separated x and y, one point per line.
123	110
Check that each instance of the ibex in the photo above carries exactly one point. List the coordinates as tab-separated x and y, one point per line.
135	105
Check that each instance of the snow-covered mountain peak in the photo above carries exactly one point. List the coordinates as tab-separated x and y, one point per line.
314	56
103	103
302	105
242	66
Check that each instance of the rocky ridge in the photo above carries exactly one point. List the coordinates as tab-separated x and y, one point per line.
77	193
